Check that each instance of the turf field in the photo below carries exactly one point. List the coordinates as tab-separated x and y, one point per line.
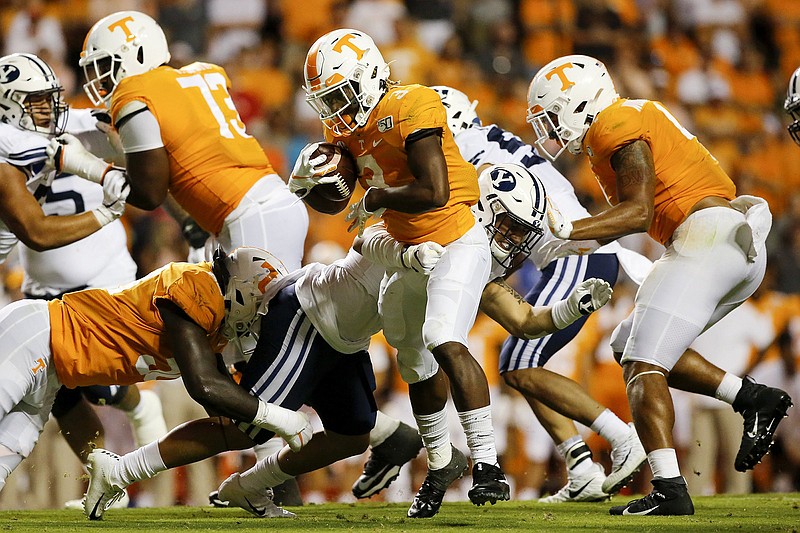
762	512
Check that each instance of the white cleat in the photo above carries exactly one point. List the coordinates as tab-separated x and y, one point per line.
148	423
258	504
103	492
77	504
586	487
626	460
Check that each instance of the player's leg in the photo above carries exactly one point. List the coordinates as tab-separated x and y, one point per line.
454	290
78	421
28	381
702	275
142	407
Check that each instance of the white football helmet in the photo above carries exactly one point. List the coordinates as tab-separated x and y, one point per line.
512	208
792	105
243	276
461	113
563	99
345	77
27	84
122	44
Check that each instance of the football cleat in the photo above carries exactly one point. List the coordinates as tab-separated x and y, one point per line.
669	498
429	498
148	422
259	504
585	487
103	490
488	484
626	460
77	504
762	408
386	460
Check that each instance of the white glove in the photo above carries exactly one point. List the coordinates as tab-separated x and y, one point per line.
557	248
67	154
115	191
308	172
358	214
422	257
560	226
293	426
589	296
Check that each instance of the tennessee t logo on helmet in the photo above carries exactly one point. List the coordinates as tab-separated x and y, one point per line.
566	83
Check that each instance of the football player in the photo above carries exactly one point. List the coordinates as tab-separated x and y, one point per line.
418	183
169	324
28	83
312	349
182	134
659	179
522	360
792	105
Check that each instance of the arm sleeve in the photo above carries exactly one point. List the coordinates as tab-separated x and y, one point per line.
139	131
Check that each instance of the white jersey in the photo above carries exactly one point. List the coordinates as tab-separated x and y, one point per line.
99	260
341	300
493	145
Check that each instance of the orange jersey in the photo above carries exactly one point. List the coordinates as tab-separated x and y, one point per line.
213	161
117	337
685	171
379	148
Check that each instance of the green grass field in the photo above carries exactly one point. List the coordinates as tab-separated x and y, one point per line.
762	512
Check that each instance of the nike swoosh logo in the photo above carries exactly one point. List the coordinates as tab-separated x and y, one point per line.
646	511
93	514
259	511
753	434
576	493
376	143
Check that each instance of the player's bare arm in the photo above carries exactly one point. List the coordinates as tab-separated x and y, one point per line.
505	306
148	173
24	217
198	364
635	171
430	189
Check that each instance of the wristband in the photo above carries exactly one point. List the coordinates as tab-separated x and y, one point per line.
104	215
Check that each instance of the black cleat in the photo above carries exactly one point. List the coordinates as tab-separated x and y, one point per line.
488	484
762	408
669	498
429	498
386	460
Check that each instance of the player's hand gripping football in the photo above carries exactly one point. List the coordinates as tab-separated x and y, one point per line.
359	214
309	171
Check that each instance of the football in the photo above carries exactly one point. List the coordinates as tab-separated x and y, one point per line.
332	198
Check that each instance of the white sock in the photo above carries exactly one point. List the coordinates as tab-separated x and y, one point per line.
611	427
576	454
273	445
436	437
265	473
384	426
477	426
664	463
728	388
141	463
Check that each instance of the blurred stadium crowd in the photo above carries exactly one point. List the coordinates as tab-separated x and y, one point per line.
721	66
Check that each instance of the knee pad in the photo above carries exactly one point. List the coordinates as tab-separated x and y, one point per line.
620	335
8	462
105	395
416	365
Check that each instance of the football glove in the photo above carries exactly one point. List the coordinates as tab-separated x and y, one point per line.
559	225
589	296
193	233
66	154
115	191
557	248
422	257
358	214
293	426
309	172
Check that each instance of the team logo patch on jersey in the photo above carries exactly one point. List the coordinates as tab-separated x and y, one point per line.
385	124
8	73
